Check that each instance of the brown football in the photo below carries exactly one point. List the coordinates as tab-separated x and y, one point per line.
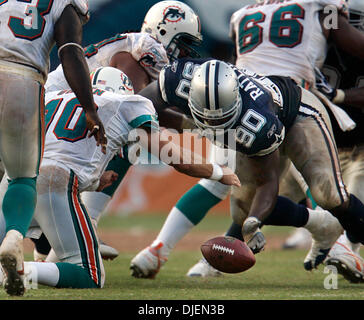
228	254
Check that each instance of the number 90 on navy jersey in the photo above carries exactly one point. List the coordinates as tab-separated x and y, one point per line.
257	131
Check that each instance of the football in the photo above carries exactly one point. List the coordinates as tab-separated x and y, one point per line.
228	254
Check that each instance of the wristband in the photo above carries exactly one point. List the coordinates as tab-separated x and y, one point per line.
340	96
69	44
217	172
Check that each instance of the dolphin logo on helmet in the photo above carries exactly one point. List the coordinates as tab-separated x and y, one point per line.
173	14
112	80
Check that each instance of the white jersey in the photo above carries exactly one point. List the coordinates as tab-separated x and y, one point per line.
150	54
66	141
27	30
282	37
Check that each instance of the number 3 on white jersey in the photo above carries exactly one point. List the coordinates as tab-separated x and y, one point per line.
31	26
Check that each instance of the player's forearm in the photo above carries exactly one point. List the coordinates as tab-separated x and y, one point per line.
169	118
266	172
79	81
348	38
68	36
264	201
195	170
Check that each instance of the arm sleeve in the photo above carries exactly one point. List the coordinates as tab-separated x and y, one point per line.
139	111
81	7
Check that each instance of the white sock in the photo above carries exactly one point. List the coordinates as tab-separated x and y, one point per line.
95	203
52	257
314	218
355	247
174	229
45	273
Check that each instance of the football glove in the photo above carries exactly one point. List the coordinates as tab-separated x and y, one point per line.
252	235
323	86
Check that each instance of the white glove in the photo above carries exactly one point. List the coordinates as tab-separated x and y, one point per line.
252	235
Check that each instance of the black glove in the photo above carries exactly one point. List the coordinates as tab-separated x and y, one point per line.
323	86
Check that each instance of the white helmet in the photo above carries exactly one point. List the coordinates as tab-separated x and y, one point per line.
175	25
111	79
214	97
356	13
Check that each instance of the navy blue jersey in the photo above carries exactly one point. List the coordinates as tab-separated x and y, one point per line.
269	106
258	130
175	80
345	71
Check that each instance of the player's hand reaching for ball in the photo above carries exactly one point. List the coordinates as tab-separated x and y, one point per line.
229	178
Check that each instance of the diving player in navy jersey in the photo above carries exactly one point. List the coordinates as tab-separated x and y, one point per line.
270	105
309	144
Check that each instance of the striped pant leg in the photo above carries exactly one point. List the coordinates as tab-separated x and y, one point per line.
311	147
65	222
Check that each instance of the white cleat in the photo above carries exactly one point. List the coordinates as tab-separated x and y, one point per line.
12	262
107	252
301	238
347	263
146	263
325	230
203	269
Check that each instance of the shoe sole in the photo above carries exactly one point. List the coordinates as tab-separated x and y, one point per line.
108	254
136	272
108	257
14	285
347	273
199	275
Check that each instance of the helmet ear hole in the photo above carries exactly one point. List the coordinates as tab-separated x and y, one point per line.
162	32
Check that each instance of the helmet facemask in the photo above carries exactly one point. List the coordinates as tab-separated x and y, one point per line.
182	46
216	121
214	98
356	19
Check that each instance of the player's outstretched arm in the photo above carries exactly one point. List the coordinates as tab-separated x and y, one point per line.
68	36
351	40
183	160
168	117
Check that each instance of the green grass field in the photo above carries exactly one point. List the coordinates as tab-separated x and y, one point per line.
278	274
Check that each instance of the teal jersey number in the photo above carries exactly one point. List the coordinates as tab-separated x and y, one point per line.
71	125
35	30
285	29
287	32
250	36
92	49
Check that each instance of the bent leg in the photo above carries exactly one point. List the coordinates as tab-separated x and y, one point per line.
311	147
66	224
